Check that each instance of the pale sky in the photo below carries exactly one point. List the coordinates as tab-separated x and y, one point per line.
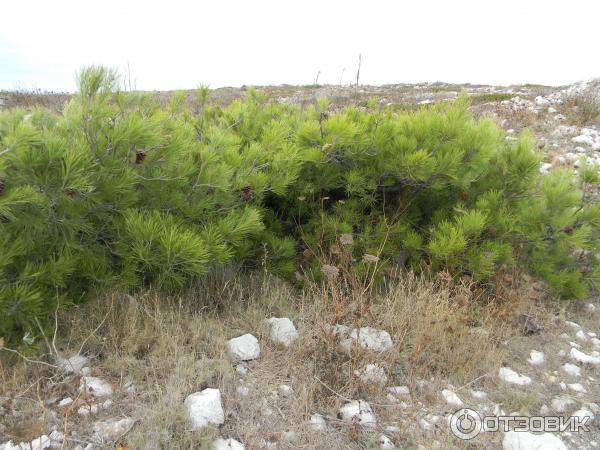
180	44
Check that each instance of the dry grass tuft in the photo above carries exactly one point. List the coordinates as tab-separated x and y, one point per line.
585	105
170	347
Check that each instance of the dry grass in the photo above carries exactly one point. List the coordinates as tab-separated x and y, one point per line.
169	347
31	98
584	106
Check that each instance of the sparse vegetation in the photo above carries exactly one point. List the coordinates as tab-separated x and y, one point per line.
169	346
586	105
490	97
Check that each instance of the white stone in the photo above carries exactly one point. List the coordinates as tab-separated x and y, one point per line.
574	344
205	408
129	387
87	410
56	438
520	440
112	429
243	348
583	139
241	368
65	402
74	364
358	412
577	387
536	358
385	443
510	376
95	386
243	390
582	413
399	390
369	338
283	331
227	444
479	395
572	369
285	390
581	336
583	358
573	325
561	404
372	373
451	398
589	307
392	429
596	342
41	443
317	422
426	425
290	437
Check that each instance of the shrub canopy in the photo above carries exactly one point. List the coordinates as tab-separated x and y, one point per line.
119	191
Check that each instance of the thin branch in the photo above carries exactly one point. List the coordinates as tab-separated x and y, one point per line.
29	360
95	329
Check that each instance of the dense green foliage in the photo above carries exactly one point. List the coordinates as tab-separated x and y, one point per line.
121	191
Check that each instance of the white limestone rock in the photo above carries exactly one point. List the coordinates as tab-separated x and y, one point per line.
368	338
360	413
584	358
227	444
510	376
112	429
372	373
479	395
577	387
87	410
385	443
317	422
572	369
65	402
205	408
283	331
73	364
451	398
95	386
285	390
399	390
536	358
243	348
573	325
562	404
581	336
583	413
520	440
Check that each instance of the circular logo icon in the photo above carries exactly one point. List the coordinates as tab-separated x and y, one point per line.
465	423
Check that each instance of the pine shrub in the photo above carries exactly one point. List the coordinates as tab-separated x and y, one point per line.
118	190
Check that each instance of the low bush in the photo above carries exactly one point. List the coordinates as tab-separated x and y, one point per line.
117	191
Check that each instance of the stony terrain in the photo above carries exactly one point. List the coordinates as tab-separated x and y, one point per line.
243	380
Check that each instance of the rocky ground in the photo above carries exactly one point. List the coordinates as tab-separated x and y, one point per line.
256	376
